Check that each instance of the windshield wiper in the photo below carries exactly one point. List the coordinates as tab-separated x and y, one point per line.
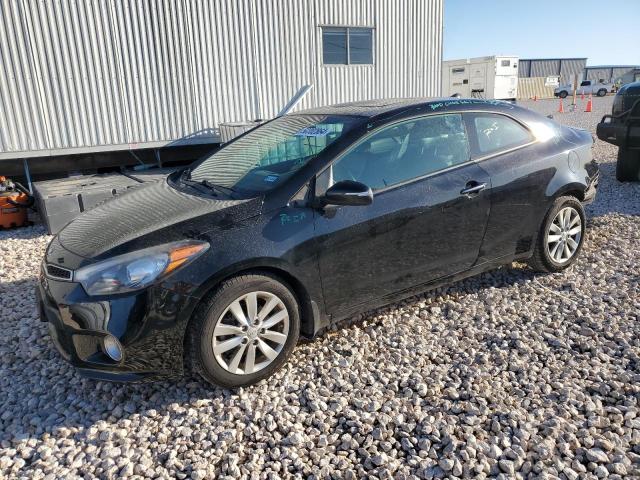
198	186
209	187
219	188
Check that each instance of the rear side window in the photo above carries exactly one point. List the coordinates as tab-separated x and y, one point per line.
497	132
402	152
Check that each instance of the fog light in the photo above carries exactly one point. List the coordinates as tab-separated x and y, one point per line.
112	348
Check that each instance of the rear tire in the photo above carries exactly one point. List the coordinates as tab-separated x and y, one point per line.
601	93
233	315
563	94
564	225
628	165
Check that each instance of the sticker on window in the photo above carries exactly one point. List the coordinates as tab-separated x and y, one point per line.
313	132
271	178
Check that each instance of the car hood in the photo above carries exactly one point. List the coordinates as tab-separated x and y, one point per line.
152	214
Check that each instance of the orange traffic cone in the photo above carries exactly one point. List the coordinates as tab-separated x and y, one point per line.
582	95
535	98
561	107
589	104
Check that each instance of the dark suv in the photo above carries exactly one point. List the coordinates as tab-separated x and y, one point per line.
622	128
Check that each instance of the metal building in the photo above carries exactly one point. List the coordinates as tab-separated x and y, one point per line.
565	68
612	73
101	75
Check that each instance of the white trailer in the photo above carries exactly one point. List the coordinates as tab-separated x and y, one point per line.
494	77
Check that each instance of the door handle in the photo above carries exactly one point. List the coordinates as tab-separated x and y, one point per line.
473	187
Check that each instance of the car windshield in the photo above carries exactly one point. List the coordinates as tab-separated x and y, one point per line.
265	157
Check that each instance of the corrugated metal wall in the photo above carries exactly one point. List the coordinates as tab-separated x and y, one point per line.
598	74
524	67
544	68
566	68
534	87
620	72
611	73
90	75
571	67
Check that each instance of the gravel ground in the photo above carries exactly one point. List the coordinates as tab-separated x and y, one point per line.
509	375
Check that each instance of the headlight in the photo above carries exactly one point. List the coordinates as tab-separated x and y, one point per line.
139	269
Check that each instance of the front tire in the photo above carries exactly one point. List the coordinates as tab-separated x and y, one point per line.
628	165
243	331
561	236
601	93
563	94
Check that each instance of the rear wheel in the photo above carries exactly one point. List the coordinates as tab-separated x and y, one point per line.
601	93
561	237
244	331
563	94
628	165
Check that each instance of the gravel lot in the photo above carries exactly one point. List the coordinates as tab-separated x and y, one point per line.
508	374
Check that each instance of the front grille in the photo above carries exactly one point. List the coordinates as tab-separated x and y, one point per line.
60	273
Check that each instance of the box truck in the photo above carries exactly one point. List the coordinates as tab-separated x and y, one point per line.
494	77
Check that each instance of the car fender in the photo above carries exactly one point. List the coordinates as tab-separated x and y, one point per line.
561	185
310	298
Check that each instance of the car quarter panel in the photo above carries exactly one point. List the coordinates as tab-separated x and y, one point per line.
525	182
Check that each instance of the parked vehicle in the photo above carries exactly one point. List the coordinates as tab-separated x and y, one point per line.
587	87
622	128
304	221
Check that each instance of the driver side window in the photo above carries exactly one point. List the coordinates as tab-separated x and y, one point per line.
402	152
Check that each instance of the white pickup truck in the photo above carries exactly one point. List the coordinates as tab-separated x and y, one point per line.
587	86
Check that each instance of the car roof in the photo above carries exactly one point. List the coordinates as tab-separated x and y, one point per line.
396	106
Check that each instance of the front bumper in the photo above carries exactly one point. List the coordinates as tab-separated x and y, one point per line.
149	324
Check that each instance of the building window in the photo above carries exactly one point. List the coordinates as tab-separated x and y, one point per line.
347	46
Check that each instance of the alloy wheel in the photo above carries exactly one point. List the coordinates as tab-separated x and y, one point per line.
251	333
564	235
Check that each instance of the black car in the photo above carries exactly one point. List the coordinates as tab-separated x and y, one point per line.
304	221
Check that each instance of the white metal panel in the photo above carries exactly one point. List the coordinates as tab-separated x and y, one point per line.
285	49
94	75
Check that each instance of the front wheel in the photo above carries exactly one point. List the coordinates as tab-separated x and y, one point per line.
563	94
561	237
244	331
601	93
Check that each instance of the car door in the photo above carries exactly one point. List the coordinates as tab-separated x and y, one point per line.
507	151
427	219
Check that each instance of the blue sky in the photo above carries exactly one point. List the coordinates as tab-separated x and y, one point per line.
606	32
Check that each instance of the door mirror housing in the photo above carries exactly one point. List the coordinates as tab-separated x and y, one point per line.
347	192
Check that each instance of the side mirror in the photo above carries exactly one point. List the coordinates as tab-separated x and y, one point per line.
347	192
